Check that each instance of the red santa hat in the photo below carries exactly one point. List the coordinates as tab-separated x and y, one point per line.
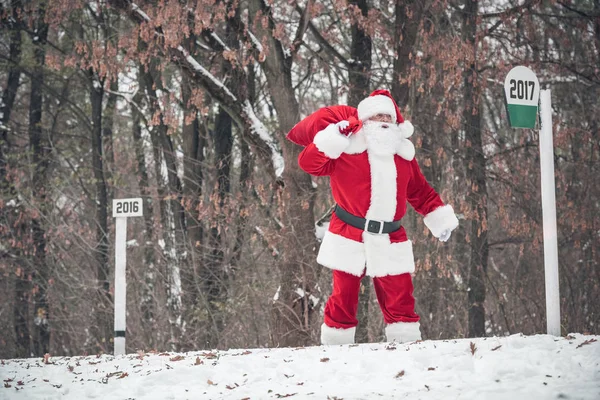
382	102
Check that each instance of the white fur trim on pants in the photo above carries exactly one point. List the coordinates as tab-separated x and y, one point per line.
331	142
402	332
377	253
334	336
441	219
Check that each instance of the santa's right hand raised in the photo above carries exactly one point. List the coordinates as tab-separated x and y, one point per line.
343	127
334	139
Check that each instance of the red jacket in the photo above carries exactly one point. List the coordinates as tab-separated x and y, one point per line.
368	184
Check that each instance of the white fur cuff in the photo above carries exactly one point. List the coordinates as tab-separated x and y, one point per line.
402	332
331	142
332	336
441	219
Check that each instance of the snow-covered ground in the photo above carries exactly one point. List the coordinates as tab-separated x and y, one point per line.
514	367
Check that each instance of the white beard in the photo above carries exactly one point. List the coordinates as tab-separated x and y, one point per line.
382	138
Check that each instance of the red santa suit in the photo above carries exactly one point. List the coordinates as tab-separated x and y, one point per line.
373	174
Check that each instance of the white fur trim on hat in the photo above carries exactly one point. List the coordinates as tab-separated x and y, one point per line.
441	219
331	142
402	332
374	105
332	336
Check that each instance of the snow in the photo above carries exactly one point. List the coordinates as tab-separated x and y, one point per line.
139	11
255	42
313	299
513	367
259	128
203	71
218	40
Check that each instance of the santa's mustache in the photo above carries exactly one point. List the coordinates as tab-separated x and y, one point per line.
373	125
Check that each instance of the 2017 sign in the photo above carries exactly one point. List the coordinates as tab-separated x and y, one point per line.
521	92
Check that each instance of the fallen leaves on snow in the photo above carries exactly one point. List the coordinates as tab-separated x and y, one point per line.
473	348
587	342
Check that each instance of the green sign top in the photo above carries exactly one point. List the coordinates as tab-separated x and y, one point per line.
522	93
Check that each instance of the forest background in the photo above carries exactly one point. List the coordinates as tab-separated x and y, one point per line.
187	103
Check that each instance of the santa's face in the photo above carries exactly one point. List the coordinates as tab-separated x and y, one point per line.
381	137
381	118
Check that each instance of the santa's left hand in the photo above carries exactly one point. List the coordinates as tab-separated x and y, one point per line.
445	235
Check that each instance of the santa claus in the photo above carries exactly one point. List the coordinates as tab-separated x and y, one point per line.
373	174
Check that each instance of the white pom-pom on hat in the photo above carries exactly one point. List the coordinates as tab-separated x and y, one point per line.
407	129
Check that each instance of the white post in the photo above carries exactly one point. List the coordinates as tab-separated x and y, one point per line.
549	215
120	284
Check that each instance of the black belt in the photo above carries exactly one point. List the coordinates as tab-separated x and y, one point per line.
368	225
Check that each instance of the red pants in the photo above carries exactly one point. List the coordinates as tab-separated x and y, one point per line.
394	294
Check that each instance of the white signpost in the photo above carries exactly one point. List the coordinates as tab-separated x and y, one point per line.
522	91
122	209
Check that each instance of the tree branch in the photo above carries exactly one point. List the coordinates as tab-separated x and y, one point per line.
323	42
235	107
302	25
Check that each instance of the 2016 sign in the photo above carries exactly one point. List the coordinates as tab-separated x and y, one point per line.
127	207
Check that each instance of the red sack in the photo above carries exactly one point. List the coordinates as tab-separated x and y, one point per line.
304	131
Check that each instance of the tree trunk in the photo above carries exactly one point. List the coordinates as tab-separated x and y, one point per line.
111	35
9	94
103	331
7	191
294	315
406	26
147	305
476	178
193	144
40	153
359	77
214	276
359	73
173	227
107	137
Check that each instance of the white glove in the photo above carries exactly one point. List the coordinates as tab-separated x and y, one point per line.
445	235
342	125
